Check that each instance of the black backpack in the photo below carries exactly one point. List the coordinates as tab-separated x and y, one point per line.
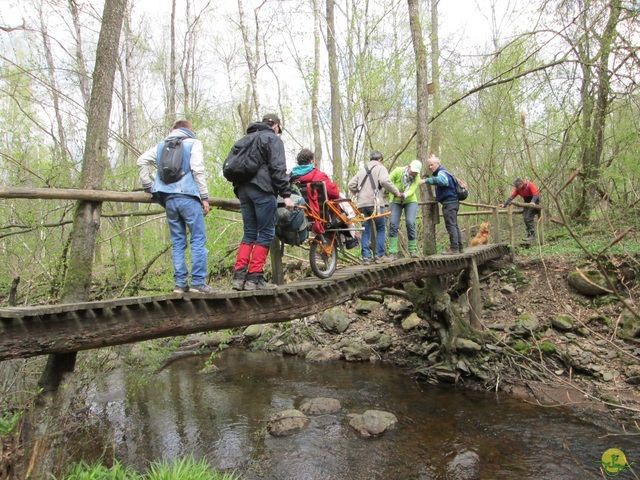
170	163
461	188
244	160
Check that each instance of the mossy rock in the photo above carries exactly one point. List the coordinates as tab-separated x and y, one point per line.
547	348
520	346
588	282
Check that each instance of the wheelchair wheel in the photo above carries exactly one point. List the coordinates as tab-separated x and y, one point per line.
323	265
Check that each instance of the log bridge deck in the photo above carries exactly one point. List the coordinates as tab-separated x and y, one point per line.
65	328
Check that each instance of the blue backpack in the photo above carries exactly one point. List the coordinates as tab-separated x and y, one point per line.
292	226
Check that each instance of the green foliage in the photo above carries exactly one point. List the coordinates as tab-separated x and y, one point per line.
547	348
9	422
224	338
186	468
97	471
520	346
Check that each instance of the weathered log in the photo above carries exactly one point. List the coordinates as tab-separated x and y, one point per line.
40	330
98	196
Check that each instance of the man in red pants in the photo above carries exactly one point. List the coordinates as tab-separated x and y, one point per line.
258	204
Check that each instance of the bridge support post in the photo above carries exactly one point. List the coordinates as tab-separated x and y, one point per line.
512	233
475	299
57	365
496	222
275	251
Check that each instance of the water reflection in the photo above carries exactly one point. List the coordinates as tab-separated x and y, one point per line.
222	417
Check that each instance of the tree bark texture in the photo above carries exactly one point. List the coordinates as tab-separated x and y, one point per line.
596	109
99	196
334	81
429	213
77	281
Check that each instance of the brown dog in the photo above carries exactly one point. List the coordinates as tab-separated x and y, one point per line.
482	238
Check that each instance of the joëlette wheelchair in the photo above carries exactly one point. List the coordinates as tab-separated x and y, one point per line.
330	221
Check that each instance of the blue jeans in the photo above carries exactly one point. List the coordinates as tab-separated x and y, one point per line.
410	213
450	215
185	213
258	214
380	223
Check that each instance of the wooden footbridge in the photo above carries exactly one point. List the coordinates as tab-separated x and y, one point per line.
67	328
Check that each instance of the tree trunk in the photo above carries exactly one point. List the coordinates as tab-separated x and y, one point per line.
429	213
77	282
82	74
435	77
252	62
335	96
595	114
315	85
432	298
60	143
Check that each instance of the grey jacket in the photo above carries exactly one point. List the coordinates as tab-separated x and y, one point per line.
367	196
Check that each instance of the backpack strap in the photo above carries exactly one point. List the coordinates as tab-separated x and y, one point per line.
364	180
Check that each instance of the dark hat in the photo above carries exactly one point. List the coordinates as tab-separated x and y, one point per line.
517	182
375	155
272	119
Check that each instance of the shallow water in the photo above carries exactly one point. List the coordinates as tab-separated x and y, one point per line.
222	417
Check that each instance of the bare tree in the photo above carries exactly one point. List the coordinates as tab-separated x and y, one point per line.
60	142
170	114
81	64
336	143
315	86
251	55
435	76
429	212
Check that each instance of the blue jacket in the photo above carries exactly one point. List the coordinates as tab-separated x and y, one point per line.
445	188
187	184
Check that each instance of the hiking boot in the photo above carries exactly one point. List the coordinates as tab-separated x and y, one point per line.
449	251
239	277
460	249
351	242
255	281
414	255
180	290
366	261
382	259
204	288
391	258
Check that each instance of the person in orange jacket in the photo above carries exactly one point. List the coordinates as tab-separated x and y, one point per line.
529	193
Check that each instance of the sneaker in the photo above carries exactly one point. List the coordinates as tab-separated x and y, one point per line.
255	281
460	249
384	259
391	258
204	288
179	289
366	261
448	251
414	255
